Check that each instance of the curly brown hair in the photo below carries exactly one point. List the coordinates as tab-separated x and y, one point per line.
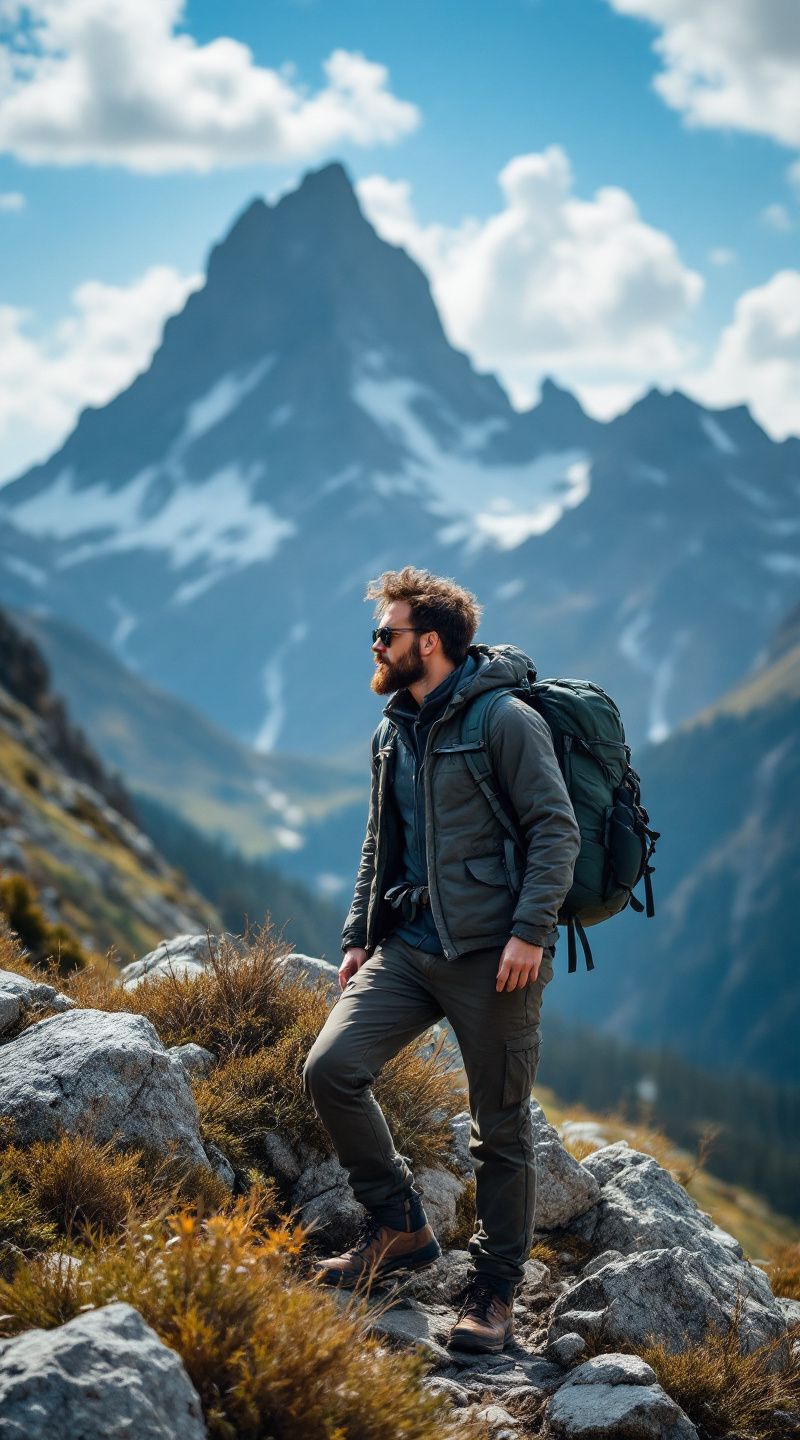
436	604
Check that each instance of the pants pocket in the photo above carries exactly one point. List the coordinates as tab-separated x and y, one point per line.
522	1056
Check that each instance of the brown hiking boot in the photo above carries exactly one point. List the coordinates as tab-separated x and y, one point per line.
379	1251
485	1321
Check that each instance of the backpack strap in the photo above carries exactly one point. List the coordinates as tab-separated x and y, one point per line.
574	928
475	748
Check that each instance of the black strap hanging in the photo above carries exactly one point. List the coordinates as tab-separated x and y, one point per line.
574	927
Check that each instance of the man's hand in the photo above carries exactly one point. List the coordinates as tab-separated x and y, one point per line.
519	964
352	961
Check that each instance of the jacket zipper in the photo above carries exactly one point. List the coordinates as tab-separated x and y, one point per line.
374	907
430	847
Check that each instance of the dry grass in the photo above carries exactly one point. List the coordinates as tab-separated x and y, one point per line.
270	1353
236	1006
725	1393
261	1025
74	1185
783	1269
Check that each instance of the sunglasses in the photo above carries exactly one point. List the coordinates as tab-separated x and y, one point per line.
385	632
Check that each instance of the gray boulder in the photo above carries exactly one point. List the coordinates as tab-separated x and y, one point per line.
322	1193
324	1200
441	1191
312	972
790	1310
19	996
442	1283
674	1295
183	955
103	1376
281	1159
194	1059
565	1188
616	1397
642	1207
107	1074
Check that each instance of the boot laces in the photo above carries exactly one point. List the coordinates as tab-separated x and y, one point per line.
478	1299
369	1231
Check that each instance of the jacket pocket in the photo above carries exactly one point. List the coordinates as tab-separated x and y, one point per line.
522	1058
489	869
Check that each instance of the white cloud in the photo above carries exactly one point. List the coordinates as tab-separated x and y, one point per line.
118	82
776	217
728	64
721	255
757	360
11	201
552	283
86	359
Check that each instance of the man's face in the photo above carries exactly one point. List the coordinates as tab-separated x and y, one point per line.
400	664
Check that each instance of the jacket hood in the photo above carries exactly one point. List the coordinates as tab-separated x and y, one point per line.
494	666
499	665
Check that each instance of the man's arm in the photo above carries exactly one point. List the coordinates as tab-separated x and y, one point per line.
524	761
354	931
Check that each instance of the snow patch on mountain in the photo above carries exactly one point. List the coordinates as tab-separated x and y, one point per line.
186	525
509	589
124	628
505	504
658	664
225	396
651	473
273	683
758	498
779	563
32	573
719	438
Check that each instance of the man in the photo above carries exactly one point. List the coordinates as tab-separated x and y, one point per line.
446	922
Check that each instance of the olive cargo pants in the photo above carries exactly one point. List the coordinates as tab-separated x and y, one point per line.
395	996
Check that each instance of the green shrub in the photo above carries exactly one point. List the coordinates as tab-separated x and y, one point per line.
44	942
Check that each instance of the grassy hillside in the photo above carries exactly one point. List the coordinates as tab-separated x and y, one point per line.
85	867
263	805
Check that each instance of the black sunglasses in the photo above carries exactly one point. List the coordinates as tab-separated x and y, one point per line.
385	632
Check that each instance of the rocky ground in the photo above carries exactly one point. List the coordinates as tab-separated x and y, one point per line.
630	1257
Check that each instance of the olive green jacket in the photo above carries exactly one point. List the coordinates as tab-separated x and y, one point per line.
480	893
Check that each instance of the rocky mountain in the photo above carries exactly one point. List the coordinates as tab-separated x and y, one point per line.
73	864
714	974
305	423
629	1288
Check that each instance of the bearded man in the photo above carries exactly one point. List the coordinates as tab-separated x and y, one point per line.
445	923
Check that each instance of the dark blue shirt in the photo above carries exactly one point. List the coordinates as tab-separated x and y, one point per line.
414	722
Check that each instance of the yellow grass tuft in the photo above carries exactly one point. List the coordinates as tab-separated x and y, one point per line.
73	1185
269	1352
783	1269
261	1025
725	1393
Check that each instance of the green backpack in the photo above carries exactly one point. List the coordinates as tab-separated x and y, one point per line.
616	841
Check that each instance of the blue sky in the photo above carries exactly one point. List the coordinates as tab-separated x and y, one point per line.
703	164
